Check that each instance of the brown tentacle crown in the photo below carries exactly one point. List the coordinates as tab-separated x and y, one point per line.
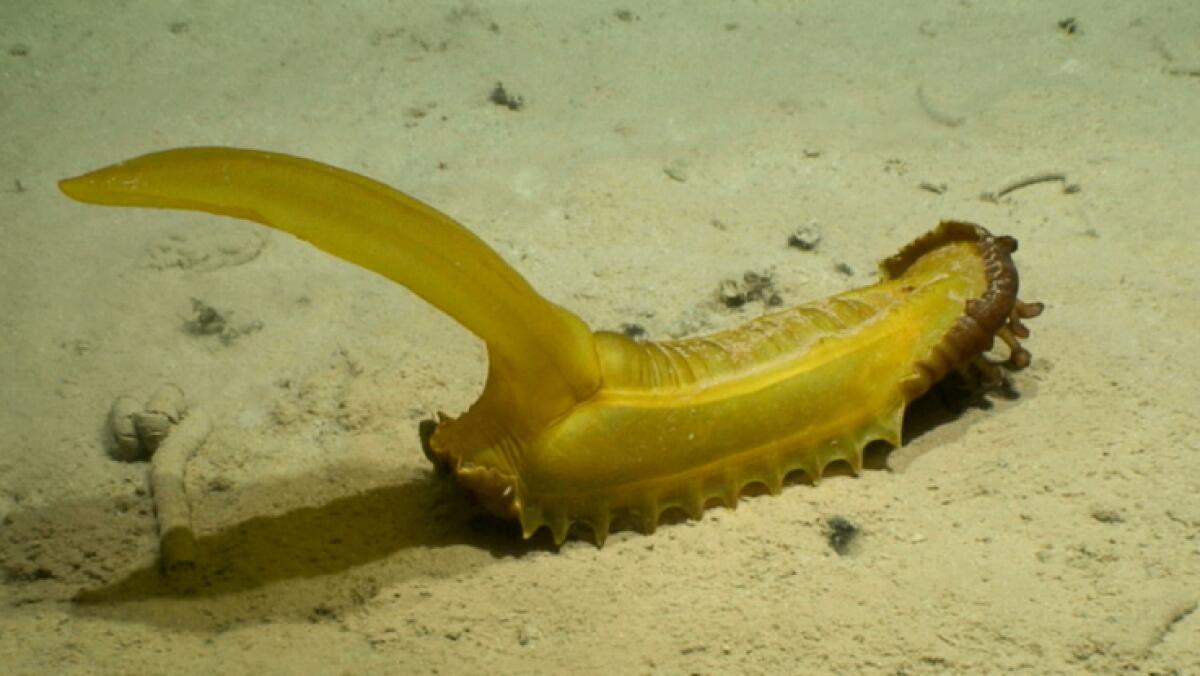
576	426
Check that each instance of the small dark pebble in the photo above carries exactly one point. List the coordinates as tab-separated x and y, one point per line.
754	286
731	294
501	97
1069	26
842	533
206	320
635	331
322	612
805	238
1107	516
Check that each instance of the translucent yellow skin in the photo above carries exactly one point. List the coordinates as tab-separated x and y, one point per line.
795	390
378	228
575	426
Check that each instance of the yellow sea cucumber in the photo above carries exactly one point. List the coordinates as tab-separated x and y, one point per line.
580	426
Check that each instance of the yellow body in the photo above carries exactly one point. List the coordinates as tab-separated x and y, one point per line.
579	426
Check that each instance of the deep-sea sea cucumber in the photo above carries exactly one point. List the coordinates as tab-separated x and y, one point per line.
581	426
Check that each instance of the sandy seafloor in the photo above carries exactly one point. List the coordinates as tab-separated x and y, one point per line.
662	147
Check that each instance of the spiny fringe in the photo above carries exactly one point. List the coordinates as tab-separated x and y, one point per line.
645	505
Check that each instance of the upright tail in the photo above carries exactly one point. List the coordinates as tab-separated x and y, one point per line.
546	353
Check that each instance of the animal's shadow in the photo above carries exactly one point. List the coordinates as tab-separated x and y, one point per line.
309	562
318	561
